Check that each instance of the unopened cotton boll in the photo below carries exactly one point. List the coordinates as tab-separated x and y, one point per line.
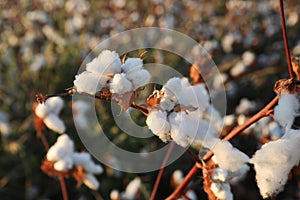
273	162
229	157
286	110
132	64
221	190
120	84
89	83
138	78
63	165
91	181
53	122
158	124
107	62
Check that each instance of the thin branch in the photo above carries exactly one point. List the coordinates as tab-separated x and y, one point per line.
161	171
63	187
262	113
286	44
40	135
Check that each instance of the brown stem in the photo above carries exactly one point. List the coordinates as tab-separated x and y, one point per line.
286	44
262	113
40	135
161	171
193	156
63	187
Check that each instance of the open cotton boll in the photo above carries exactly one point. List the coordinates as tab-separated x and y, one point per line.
286	110
91	181
172	88
248	58
107	62
158	124
66	143
132	64
245	106
238	69
81	158
115	195
55	153
55	104
53	122
63	165
177	177
93	168
273	162
221	190
132	188
229	157
89	83
200	98
138	78
120	84
42	110
220	174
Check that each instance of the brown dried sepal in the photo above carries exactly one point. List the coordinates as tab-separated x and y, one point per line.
287	86
79	175
207	181
296	66
40	98
125	100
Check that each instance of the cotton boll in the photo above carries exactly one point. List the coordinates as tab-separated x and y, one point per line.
220	175
132	64
273	162
274	130
42	110
172	88
53	122
91	181
229	120
166	104
221	191
238	69
132	188
120	84
66	143
177	177
55	104
55	153
219	81
200	98
90	83
138	78
245	106
158	124
286	110
191	195
93	168
63	165
81	158
229	157
248	58
114	195
184	82
107	62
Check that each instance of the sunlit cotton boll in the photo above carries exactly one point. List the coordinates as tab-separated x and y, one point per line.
120	84
138	78
158	124
55	104
238	69
53	122
220	175
221	190
172	88
63	147
107	62
89	83
91	181
273	162
63	165
132	64
115	195
132	188
286	110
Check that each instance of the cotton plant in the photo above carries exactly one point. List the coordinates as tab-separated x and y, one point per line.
131	191
62	159
49	111
107	74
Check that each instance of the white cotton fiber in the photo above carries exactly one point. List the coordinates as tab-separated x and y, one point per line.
91	181
53	122
64	164
138	78
55	104
286	110
107	62
177	176
220	175
55	153
81	158
132	188
199	98
91	167
42	110
172	88
273	162
132	64
248	58
229	157
166	104
89	83
66	143
120	84
158	124
245	106
221	190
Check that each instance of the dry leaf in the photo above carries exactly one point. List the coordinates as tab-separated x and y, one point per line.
125	100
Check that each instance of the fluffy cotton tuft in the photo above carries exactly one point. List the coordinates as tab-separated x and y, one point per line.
132	188
132	64
221	190
229	157
107	62
138	78
158	124
62	149
89	83
54	123
120	84
220	175
166	104
286	110
273	162
91	181
172	88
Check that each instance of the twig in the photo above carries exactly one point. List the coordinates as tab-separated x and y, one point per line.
262	113
63	187
40	135
161	171
286	44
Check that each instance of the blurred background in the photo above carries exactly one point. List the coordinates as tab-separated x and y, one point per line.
42	45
